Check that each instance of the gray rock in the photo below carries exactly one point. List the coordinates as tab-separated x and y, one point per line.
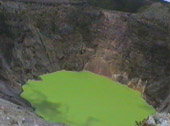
14	115
159	119
151	121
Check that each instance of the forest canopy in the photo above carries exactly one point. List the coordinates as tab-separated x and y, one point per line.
121	5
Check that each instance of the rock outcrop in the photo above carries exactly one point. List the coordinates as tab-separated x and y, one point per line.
14	115
159	119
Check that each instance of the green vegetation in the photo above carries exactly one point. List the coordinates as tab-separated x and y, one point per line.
85	99
121	5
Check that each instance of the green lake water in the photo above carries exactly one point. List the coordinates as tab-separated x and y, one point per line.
85	99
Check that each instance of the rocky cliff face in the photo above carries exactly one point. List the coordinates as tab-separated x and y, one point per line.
133	49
